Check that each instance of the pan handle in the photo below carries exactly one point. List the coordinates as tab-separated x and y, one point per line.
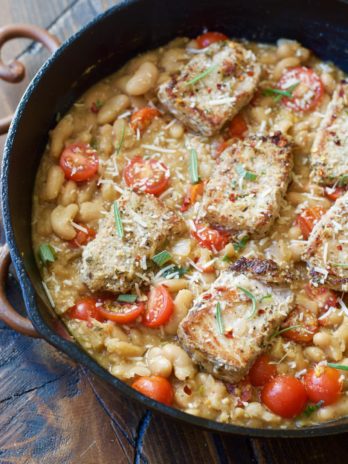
7	312
15	71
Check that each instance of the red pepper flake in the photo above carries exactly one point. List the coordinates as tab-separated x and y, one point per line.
339	247
207	296
229	334
232	197
94	108
187	390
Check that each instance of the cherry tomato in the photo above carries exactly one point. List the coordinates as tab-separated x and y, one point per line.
121	313
85	309
206	39
146	175
195	191
207	237
332	193
324	297
79	162
308	218
284	395
262	371
159	308
82	237
308	92
142	118
323	384
155	387
307	321
237	127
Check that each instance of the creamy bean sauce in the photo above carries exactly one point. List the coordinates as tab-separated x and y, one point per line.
66	214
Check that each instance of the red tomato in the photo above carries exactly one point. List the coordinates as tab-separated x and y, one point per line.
208	38
323	384
324	297
308	218
237	127
332	193
142	118
210	238
155	387
82	237
159	308
307	321
122	313
307	94
284	395
195	191
79	162
85	309
262	371
146	175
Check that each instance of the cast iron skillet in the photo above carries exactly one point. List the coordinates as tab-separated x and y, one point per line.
95	51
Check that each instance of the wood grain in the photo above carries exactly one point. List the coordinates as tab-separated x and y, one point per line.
54	412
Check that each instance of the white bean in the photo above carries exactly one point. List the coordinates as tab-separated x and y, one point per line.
61	218
112	108
60	134
55	180
143	80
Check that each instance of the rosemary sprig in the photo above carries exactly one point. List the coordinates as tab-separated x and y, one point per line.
253	301
202	75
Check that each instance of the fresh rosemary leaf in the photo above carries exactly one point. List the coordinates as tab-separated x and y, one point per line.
279	332
341	367
127	298
173	272
241	243
278	94
202	75
118	221
312	408
343	265
193	167
47	254
253	301
120	145
219	320
266	297
242	172
162	258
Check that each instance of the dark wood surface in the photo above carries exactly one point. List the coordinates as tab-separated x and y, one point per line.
55	412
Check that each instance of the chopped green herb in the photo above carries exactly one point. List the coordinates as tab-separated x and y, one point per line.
253	301
98	104
219	321
162	258
202	75
118	149
226	259
47	254
266	297
242	172
173	272
241	243
341	367
118	221
343	265
193	167
278	94
342	180
279	332
312	408
127	298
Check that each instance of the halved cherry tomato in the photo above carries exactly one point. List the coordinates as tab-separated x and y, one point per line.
307	321
332	193
79	162
159	308
323	384
308	218
155	387
142	118
206	39
146	175
85	309
324	297
284	395
82	237
308	92
121	313
237	127
195	191
207	237
262	371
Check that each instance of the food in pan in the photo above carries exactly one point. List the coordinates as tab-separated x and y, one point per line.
190	224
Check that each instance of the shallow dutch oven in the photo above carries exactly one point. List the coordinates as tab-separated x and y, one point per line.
95	51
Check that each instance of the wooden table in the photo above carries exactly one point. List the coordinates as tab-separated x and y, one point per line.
55	412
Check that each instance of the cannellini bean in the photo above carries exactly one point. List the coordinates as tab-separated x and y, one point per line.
109	193
143	80
60	134
90	211
314	353
174	285
283	65
105	142
182	364
112	108
176	130
182	248
182	304
55	180
86	191
124	349
68	193
61	218
172	59
287	48
329	82
158	363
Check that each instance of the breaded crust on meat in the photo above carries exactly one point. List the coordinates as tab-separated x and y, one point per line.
330	147
327	248
206	105
230	354
114	264
244	192
265	270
